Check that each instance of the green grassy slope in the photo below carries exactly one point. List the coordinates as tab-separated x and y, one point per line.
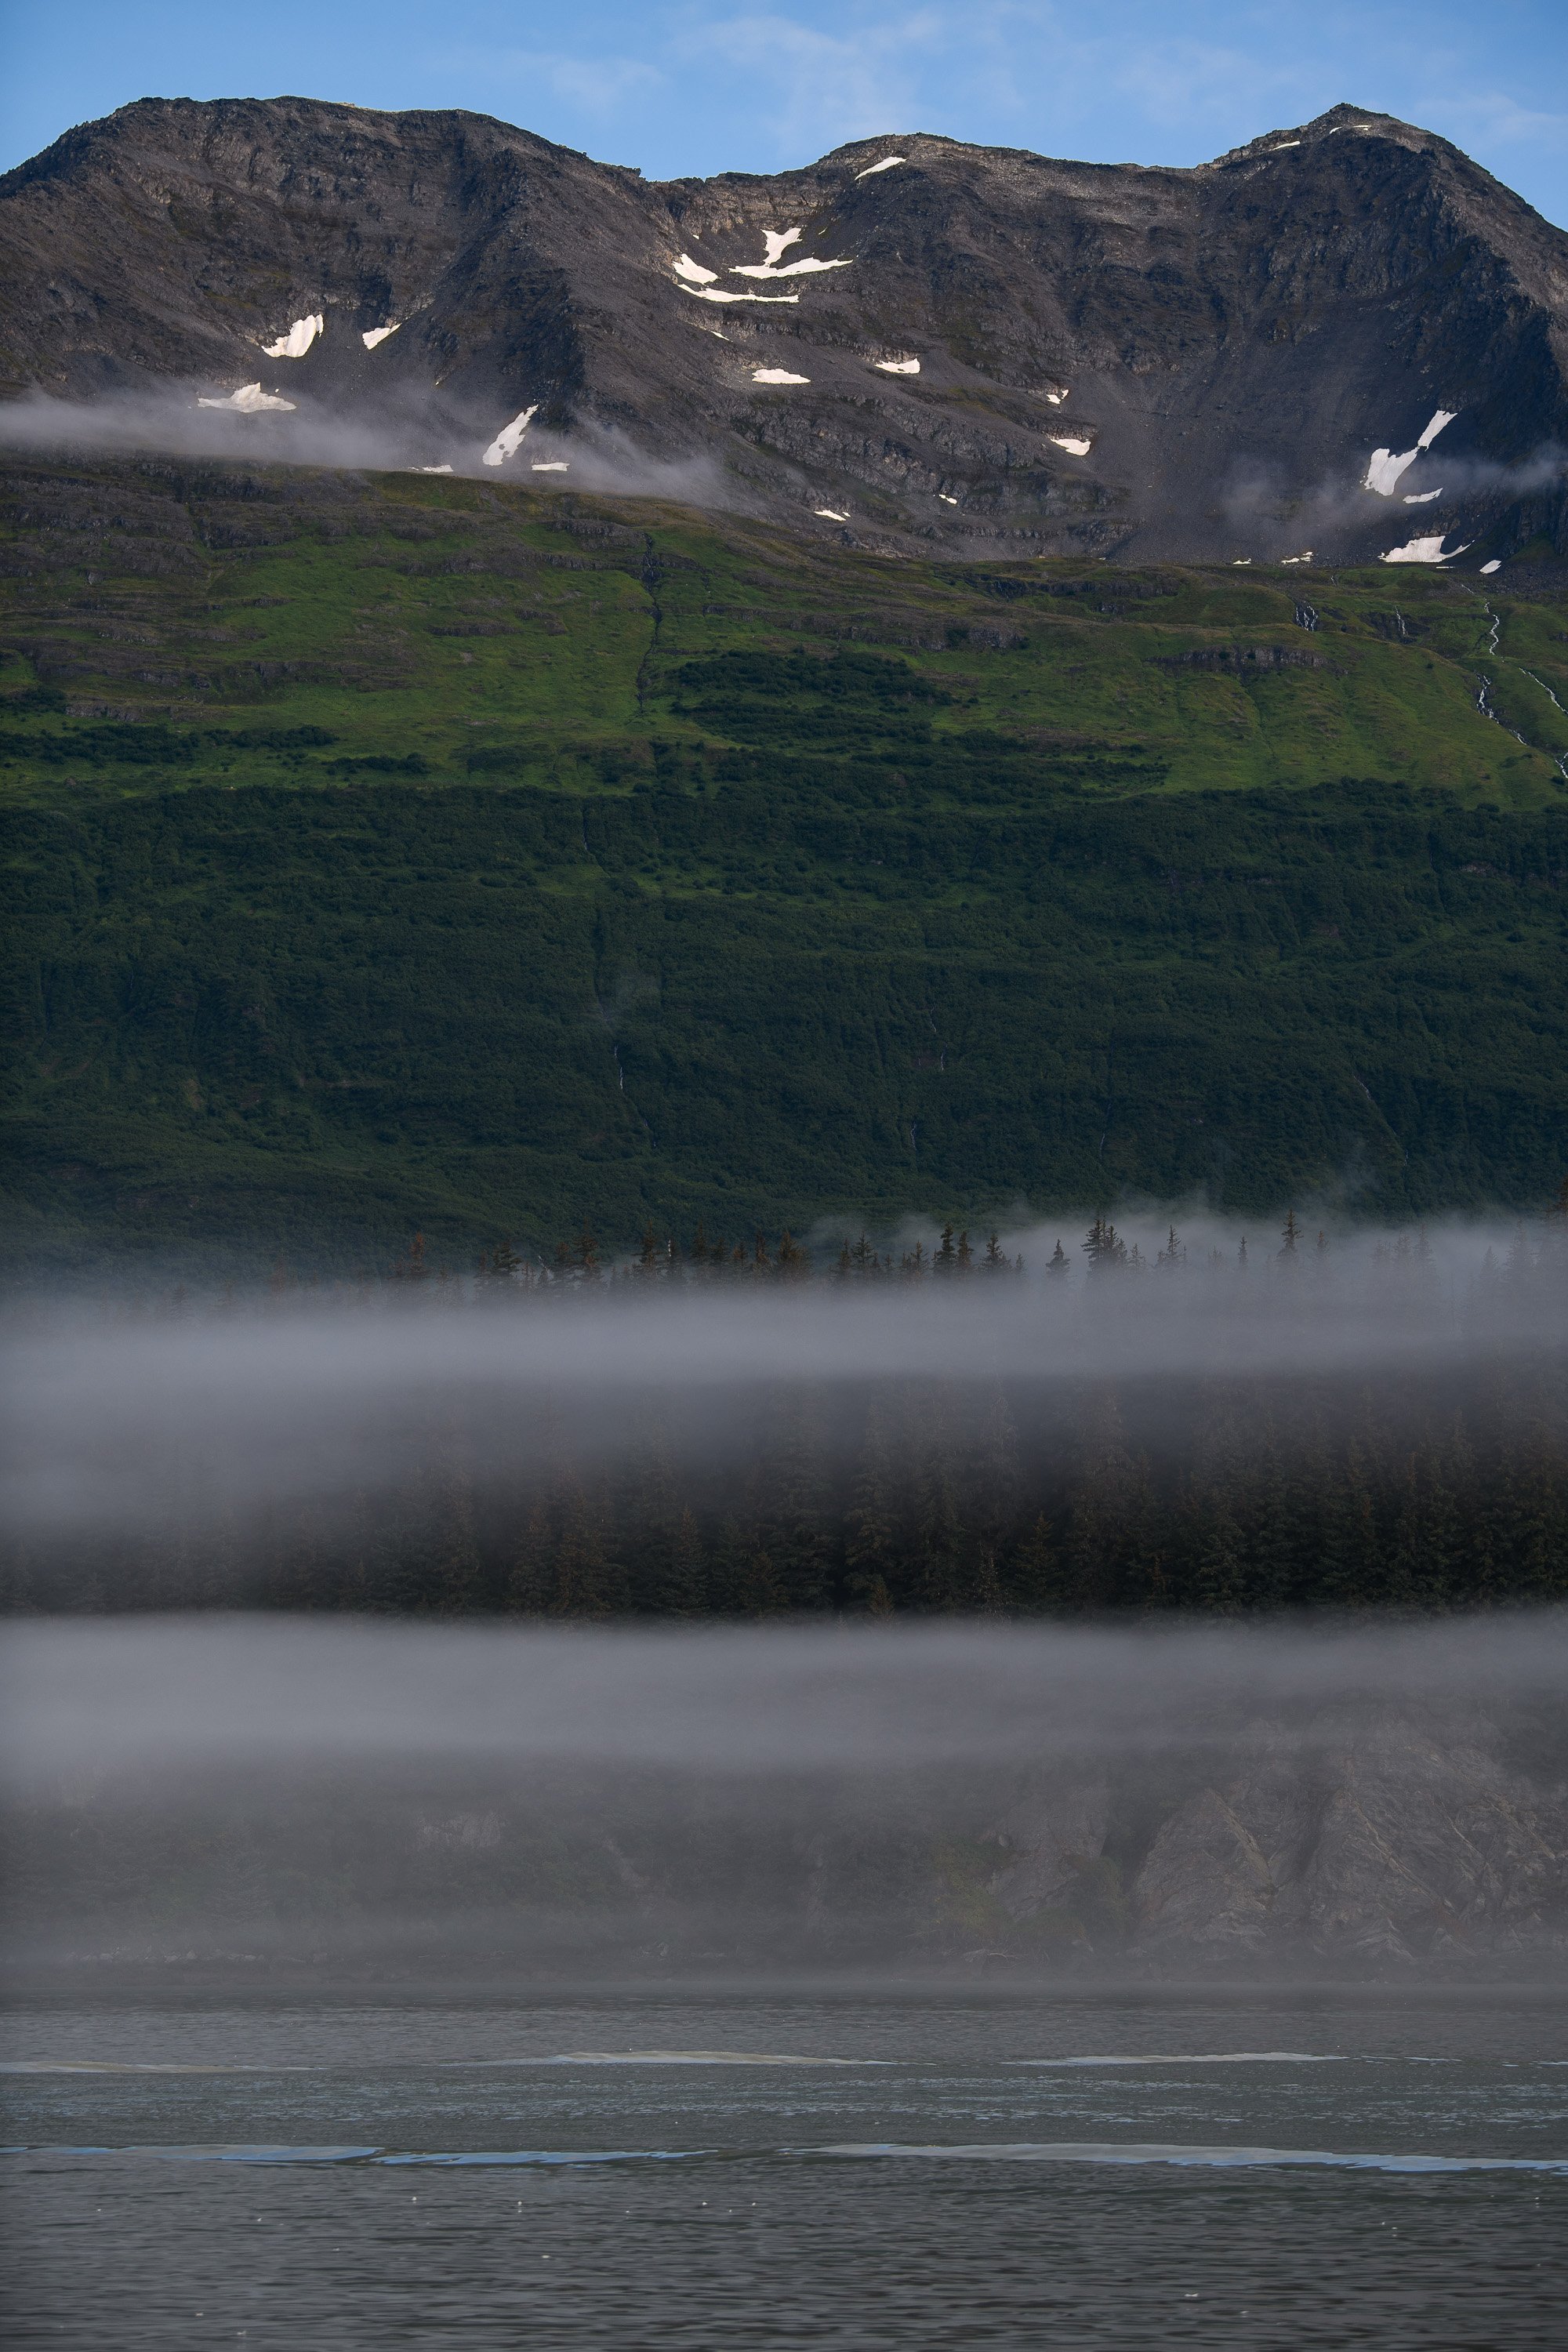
402	851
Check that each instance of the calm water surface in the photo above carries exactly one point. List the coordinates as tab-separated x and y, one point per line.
906	2171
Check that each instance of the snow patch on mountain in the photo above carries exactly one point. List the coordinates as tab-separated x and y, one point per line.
734	294
298	339
508	439
1384	467
775	243
250	400
1422	551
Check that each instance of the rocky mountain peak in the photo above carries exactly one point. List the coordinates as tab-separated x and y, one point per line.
914	342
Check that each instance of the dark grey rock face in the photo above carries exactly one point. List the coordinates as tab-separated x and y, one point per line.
977	349
1385	1843
1377	1843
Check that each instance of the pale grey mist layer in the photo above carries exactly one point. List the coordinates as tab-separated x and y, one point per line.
124	1422
417	433
248	1793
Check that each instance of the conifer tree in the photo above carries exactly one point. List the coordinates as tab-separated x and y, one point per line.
1035	1580
726	1571
936	1579
584	1585
1219	1555
1353	1542
765	1589
985	1597
1146	1582
868	1550
1104	1247
684	1590
411	1267
586	1265
791	1510
529	1576
457	1559
1094	1544
1274	1537
991	1480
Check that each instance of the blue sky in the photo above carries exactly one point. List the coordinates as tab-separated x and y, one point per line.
713	85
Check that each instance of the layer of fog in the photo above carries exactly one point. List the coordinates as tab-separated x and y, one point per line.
338	1800
120	1706
406	433
120	1419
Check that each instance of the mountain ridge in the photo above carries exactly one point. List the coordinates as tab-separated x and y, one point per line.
976	350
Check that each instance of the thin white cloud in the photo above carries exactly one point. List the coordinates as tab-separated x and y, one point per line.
1487	118
600	86
605	85
814	89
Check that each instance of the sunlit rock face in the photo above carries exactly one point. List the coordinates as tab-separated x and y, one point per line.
915	339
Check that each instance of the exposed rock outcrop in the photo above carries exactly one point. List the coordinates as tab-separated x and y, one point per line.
1362	1844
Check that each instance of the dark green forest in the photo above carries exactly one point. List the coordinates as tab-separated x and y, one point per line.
387	855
